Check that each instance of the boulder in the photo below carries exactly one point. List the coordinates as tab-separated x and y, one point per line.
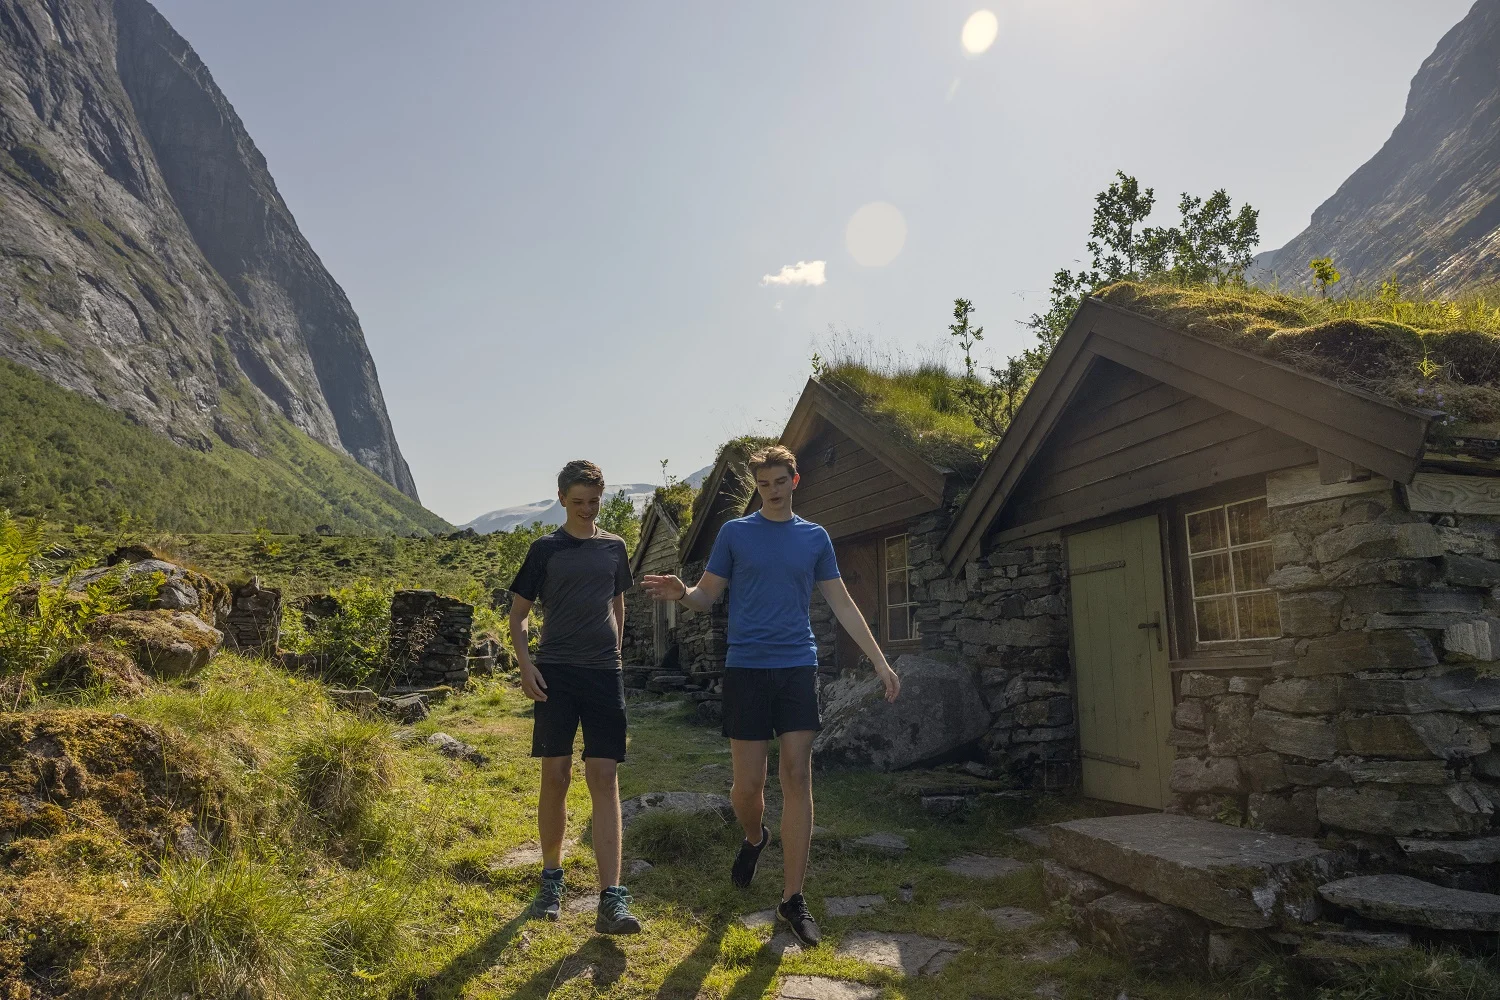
406	709
1235	877
1401	899
1147	933
939	711
95	666
166	644
694	803
354	699
1462	808
181	589
456	749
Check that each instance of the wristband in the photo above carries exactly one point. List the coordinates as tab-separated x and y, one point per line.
685	589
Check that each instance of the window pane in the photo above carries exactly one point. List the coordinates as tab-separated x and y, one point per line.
1259	618
1215	619
1211	575
1206	530
1247	522
899	626
895	590
895	553
1251	567
914	630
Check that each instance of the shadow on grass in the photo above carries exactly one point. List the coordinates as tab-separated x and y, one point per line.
687	976
448	982
598	958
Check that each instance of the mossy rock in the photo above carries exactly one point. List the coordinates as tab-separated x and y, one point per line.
66	767
165	644
96	666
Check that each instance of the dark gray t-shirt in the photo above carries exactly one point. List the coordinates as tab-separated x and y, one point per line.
574	580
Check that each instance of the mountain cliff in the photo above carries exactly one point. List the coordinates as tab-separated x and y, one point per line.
1426	207
147	261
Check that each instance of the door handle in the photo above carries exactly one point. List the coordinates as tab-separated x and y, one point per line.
1154	623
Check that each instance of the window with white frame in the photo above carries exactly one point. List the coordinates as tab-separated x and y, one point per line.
1229	561
900	607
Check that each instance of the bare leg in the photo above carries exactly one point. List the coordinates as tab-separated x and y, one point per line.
749	791
796	807
552	808
604	792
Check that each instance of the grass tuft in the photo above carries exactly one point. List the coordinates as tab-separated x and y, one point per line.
341	767
675	836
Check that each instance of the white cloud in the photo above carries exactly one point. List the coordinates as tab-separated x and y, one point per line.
804	272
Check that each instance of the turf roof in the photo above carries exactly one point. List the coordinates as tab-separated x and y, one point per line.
919	406
1434	355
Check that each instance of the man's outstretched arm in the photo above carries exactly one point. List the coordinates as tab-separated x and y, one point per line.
849	616
700	598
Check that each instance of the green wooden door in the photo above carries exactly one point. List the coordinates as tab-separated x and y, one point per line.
1124	680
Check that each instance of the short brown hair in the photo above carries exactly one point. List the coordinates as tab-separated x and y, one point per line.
579	473
777	454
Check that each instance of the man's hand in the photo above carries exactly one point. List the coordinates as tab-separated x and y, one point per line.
889	679
532	683
664	588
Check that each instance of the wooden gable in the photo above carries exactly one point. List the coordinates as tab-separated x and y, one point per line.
1128	411
656	551
855	476
722	499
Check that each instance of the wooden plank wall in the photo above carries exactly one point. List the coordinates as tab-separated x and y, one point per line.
660	558
855	492
1128	439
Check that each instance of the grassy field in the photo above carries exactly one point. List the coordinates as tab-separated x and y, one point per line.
350	860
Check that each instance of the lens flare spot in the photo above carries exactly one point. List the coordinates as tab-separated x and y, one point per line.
980	31
876	234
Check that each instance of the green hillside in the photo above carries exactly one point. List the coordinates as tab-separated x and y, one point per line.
75	461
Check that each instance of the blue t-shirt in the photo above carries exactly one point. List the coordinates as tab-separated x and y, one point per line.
771	567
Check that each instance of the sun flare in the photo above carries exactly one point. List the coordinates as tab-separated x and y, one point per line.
980	31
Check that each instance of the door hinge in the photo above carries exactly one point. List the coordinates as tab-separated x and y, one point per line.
1154	623
1106	758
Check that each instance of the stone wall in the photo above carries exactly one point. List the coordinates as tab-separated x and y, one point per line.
1006	614
1376	716
429	640
252	625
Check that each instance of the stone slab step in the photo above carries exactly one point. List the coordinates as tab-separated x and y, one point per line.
1231	876
1402	899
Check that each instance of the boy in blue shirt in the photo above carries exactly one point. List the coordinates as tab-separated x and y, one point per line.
770	561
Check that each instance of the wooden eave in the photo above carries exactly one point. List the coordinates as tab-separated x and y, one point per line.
819	404
1359	427
711	487
655	520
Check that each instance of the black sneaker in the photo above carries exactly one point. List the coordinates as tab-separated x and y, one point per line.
547	904
800	920
614	912
746	860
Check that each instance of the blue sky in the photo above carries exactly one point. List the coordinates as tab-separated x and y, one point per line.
555	219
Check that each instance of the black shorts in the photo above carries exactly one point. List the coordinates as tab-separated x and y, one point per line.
589	695
763	702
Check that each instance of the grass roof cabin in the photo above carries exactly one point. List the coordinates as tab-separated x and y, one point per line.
649	623
1248	546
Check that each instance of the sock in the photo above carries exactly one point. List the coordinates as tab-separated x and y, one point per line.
552	873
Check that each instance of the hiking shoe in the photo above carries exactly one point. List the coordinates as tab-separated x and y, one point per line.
614	912
547	905
799	919
749	856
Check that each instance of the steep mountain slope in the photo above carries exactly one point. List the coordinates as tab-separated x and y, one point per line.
146	258
72	461
1426	207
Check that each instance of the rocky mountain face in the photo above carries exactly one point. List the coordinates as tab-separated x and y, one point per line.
1426	208
146	258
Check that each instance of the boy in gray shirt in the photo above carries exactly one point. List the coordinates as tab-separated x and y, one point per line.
578	575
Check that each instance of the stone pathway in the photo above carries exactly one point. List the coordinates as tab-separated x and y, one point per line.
1012	918
981	866
822	988
889	844
760	918
1055	950
851	906
520	857
1031	835
909	954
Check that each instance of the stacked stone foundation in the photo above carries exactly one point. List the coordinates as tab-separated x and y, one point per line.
1377	715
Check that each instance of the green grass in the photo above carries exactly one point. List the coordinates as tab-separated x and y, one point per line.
75	461
1430	354
919	404
426	911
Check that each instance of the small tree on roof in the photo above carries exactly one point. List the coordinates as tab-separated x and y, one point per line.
1324	273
